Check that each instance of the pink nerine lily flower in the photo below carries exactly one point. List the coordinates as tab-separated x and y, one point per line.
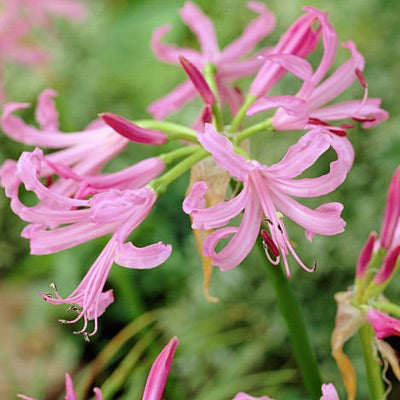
230	63
117	211
267	189
315	94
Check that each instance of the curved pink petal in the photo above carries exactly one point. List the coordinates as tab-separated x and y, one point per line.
28	168
324	220
195	199
130	256
132	177
339	81
240	245
169	53
173	101
255	31
329	39
367	111
216	216
329	392
318	186
203	28
222	151
301	155
292	105
296	65
159	372
46	114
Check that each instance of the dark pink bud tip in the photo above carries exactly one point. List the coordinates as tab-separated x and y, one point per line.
131	131
198	81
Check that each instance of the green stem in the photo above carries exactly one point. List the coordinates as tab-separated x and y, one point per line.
173	155
173	130
250	99
262	126
372	365
210	71
291	313
387	307
161	183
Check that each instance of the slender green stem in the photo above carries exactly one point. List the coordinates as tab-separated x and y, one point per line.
173	130
210	71
260	127
174	155
250	99
291	313
372	364
161	183
386	307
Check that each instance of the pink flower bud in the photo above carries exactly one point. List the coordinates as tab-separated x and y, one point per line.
365	256
198	81
131	131
391	220
388	266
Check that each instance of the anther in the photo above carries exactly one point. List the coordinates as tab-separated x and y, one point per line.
269	244
53	286
72	308
63	321
314	266
360	77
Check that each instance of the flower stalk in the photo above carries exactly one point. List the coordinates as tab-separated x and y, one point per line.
372	363
297	331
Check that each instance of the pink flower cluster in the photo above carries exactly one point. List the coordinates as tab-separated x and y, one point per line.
76	201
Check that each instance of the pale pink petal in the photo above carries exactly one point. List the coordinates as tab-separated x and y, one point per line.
169	53
296	65
311	187
329	392
46	114
203	28
151	256
69	388
173	101
240	245
159	372
301	155
255	31
367	111
300	39
222	151
339	81
292	105
329	39
218	215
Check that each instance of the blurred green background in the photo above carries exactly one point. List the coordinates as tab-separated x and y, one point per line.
239	343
